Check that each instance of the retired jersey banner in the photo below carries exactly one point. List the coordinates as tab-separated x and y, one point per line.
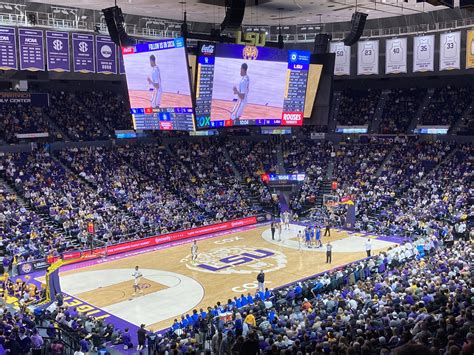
83	52
470	49
342	65
396	56
8	49
106	55
57	51
367	57
423	53
31	49
450	51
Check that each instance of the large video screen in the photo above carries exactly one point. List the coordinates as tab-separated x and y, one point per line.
241	85
158	85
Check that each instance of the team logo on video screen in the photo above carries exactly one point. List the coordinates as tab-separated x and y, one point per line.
237	260
250	52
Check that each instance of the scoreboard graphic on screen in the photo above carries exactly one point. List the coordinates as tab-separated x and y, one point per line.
158	85
241	85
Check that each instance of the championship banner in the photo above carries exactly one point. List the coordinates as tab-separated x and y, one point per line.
8	49
57	51
450	51
342	65
423	53
106	55
470	49
367	57
120	61
31	49
83	53
396	56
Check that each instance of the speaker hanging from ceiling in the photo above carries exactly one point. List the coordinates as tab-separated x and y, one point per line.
321	43
357	27
234	14
115	24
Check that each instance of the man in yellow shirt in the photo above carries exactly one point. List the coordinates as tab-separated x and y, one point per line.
250	320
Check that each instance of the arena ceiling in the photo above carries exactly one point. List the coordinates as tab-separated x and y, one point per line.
268	12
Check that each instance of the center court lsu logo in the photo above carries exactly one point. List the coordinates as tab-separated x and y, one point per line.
250	52
237	260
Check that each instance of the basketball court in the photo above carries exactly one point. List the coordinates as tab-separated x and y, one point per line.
227	266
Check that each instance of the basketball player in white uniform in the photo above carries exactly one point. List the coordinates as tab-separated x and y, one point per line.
286	220
194	251
136	281
155	82
241	92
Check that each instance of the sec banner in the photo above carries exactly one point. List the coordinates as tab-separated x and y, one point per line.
343	58
450	51
57	51
396	56
83	53
470	50
8	49
423	53
106	55
367	57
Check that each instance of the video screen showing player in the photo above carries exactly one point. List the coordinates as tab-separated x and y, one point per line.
157	75
248	85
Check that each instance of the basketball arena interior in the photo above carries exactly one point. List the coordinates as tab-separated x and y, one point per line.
236	177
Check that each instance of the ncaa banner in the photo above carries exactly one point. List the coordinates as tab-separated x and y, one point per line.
342	65
367	57
31	49
106	55
423	53
83	53
8	49
470	49
396	56
57	51
450	51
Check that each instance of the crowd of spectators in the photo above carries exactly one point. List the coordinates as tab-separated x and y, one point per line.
214	186
357	107
67	199
253	159
21	118
310	157
155	206
400	108
447	105
24	235
414	298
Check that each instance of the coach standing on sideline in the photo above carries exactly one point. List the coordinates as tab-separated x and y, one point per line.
328	253
261	281
368	247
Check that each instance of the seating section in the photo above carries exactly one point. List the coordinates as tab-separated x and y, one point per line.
400	109
447	105
357	107
20	118
311	158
